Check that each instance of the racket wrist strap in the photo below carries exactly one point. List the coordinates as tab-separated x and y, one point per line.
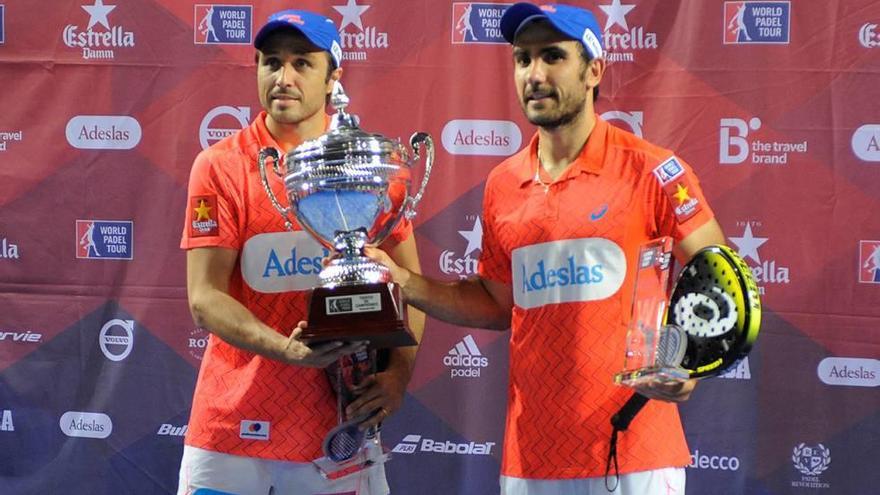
620	422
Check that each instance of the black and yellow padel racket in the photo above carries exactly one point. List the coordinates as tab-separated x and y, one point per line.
715	302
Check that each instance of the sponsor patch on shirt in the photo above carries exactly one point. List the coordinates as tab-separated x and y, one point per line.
204	216
254	430
668	171
682	198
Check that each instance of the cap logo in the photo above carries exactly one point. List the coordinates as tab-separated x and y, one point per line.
548	8
292	19
592	43
336	51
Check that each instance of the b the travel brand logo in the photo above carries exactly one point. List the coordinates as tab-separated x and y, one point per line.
208	134
7	137
736	148
766	271
86	424
756	22
104	239
416	443
633	120
282	261
168	430
567	271
357	45
103	132
222	24
8	250
116	339
465	360
865	143
869	37
99	44
869	262
481	137
810	461
477	22
254	430
622	41
849	372
713	462
6	423
740	371
466	264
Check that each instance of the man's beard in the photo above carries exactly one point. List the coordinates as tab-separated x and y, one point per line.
565	115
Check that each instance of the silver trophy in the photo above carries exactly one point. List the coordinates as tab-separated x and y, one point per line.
349	189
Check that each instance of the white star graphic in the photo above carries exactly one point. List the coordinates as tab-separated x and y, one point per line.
351	14
98	13
473	236
616	13
747	245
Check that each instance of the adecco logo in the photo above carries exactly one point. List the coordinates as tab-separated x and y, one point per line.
852	372
103	132
481	137
717	462
85	424
866	142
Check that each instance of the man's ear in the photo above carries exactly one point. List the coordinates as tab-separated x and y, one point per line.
334	76
595	71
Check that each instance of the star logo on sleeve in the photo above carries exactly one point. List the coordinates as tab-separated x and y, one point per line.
681	194
202	225
678	193
203	211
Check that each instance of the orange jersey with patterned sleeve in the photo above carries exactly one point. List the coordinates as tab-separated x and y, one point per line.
246	404
569	250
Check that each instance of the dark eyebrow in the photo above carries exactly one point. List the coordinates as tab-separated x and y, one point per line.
548	50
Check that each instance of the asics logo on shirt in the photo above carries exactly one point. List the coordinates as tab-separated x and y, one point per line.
574	270
281	261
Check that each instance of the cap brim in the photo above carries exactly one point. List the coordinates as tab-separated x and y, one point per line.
514	17
273	26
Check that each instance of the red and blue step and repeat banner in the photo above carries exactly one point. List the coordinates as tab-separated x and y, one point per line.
105	103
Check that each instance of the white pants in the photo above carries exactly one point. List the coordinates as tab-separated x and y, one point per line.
666	481
237	475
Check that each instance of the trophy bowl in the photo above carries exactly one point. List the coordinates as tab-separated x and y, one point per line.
350	189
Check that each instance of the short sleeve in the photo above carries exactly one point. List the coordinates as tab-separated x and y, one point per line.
494	263
212	214
676	199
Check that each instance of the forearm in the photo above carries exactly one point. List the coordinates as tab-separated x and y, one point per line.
462	302
227	318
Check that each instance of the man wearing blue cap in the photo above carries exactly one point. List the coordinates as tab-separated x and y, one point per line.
263	404
563	221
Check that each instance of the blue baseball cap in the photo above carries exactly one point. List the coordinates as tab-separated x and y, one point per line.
577	23
320	30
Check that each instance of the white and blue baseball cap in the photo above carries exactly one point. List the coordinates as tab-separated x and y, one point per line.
320	30
577	23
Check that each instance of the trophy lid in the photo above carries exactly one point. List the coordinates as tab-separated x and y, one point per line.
345	143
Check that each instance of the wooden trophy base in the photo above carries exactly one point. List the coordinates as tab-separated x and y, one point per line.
358	312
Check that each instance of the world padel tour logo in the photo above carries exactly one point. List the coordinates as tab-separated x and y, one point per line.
756	22
359	40
869	262
477	22
100	39
104	239
222	24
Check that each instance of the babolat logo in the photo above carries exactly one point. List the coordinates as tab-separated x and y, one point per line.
104	239
355	44
282	261
567	271
222	24
413	443
756	22
465	359
86	424
98	43
477	22
172	431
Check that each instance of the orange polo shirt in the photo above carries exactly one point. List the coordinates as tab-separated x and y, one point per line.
570	256
246	404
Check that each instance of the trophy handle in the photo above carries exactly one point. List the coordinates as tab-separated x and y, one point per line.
276	161
418	140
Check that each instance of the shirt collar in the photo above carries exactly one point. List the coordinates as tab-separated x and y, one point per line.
590	159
